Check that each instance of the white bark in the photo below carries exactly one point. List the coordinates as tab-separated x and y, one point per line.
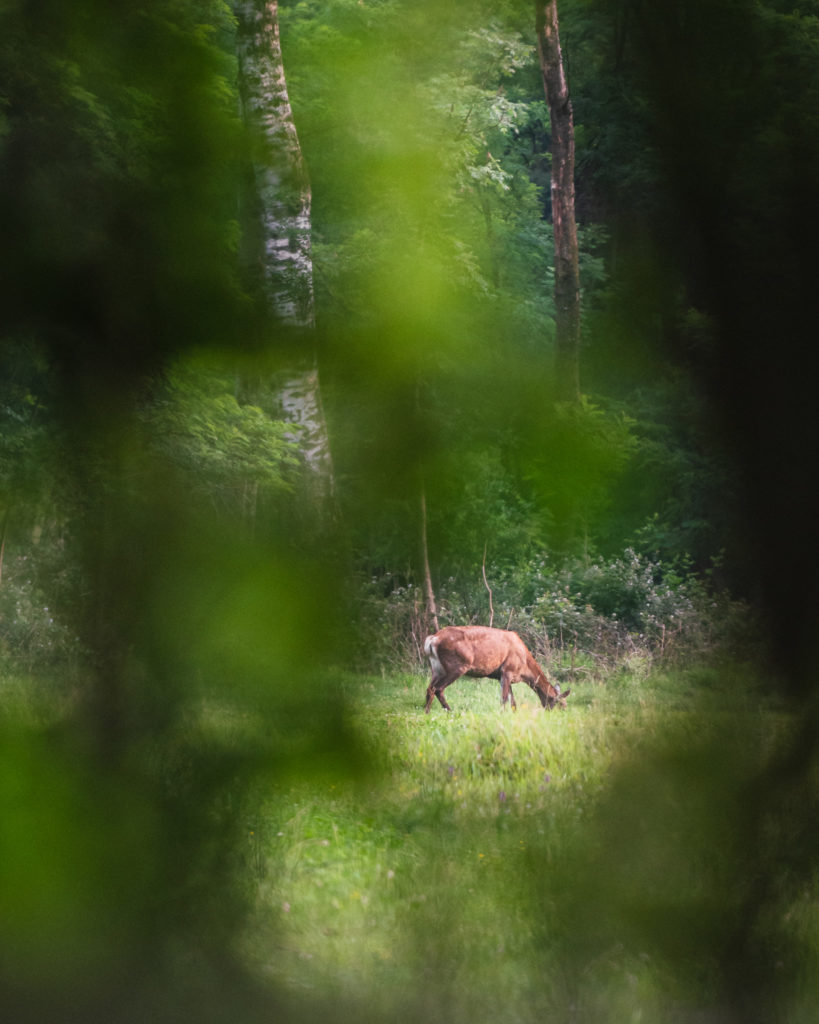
283	191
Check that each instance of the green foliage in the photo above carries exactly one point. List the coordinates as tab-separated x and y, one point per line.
596	616
176	749
434	275
580	454
431	259
102	165
120	167
229	453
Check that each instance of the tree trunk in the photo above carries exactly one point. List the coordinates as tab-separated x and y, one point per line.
567	274
429	593
282	196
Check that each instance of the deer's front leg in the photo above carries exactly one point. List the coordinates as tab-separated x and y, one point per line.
506	692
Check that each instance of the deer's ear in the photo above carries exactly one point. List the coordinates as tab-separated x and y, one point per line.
565	694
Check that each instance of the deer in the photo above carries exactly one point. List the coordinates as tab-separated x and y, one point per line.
485	652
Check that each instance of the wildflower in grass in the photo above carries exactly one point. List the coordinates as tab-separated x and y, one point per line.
502	796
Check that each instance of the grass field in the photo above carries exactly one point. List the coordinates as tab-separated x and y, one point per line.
513	866
645	855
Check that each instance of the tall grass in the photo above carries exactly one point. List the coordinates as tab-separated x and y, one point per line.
444	883
621	860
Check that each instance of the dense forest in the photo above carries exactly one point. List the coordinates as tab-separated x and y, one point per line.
283	385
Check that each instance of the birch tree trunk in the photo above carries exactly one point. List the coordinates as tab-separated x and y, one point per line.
282	192
567	274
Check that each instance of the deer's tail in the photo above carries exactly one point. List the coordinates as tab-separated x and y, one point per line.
431	651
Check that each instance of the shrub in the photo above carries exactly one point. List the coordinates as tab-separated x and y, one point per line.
595	614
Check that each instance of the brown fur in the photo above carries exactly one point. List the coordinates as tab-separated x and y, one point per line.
482	651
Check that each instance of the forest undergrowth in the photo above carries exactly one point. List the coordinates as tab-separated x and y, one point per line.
582	617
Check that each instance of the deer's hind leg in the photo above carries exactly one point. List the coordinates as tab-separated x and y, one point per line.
437	686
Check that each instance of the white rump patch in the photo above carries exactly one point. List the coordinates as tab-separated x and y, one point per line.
430	649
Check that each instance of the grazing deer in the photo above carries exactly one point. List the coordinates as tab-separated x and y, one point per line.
482	651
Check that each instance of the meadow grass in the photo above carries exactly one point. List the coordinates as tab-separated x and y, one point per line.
444	880
489	865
